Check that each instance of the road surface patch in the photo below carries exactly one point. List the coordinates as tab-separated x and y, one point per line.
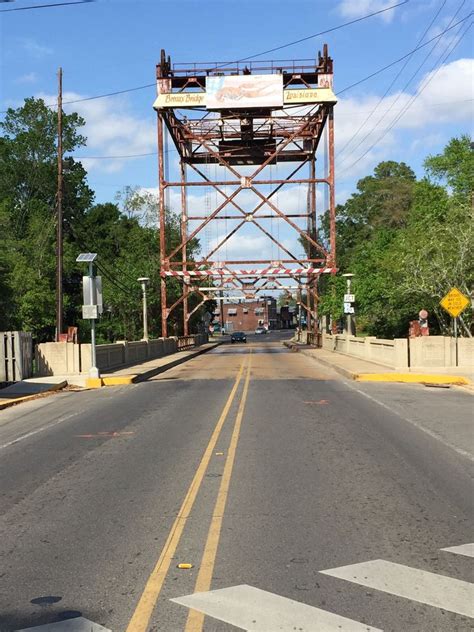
102	435
144	609
257	610
428	588
195	620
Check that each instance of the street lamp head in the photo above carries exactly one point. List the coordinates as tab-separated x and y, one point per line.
143	279
348	275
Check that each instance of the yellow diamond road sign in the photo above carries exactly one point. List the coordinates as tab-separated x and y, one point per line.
454	302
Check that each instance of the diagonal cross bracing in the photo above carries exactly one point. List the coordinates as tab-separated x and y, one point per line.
244	121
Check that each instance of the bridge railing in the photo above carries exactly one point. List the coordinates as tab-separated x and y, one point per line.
16	356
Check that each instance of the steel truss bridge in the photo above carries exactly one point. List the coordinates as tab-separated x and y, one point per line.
232	126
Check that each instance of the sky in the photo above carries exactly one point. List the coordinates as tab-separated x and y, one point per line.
404	113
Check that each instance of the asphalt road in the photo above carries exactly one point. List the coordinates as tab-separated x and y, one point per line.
261	469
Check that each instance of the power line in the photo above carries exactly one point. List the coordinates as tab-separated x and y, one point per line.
113	279
45	6
377	72
413	99
407	61
149	85
155	153
330	30
304	39
420	66
151	153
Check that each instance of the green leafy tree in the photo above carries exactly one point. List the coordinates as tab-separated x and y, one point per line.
28	164
455	166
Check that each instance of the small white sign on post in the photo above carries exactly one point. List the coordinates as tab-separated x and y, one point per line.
349	298
348	309
90	312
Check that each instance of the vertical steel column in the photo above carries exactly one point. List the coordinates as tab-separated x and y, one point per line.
161	201
332	199
184	232
332	188
312	302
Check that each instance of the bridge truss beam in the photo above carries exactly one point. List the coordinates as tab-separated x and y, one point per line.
225	116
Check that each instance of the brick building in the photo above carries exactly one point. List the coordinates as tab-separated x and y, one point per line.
247	315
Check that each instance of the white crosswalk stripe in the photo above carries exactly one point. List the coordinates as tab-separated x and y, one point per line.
257	610
462	549
412	583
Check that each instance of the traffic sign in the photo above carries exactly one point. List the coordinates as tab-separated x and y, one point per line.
349	298
348	308
454	302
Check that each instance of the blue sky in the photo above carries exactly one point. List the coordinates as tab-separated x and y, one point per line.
111	45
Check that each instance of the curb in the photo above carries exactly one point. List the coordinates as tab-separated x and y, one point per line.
7	403
339	369
413	378
120	380
404	378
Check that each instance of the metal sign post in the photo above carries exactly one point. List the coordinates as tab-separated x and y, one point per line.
456	339
93	371
349	299
93	305
455	302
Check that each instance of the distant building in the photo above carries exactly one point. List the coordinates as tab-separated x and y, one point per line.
247	315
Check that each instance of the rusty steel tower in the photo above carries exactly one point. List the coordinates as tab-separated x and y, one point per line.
245	134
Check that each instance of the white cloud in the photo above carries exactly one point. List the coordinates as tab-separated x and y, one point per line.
34	48
30	77
111	130
442	97
359	8
447	40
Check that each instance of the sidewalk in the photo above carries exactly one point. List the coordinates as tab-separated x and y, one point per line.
29	389
361	370
35	387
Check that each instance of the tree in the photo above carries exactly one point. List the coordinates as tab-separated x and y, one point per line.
455	166
407	242
28	179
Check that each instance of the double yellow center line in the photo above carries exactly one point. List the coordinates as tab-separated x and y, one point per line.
144	609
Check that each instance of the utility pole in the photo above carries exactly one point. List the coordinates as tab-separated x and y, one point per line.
59	217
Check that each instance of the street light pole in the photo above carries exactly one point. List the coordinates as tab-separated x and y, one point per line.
144	281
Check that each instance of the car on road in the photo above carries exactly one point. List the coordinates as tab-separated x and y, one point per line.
260	330
238	336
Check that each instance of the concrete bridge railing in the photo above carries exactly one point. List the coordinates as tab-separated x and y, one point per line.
401	353
67	358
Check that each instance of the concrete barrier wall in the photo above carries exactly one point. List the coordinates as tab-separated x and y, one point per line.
440	351
403	353
392	353
466	352
57	358
67	358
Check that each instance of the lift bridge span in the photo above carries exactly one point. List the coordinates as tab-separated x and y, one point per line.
245	134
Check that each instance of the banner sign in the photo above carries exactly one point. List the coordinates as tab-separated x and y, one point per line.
180	100
310	95
244	91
